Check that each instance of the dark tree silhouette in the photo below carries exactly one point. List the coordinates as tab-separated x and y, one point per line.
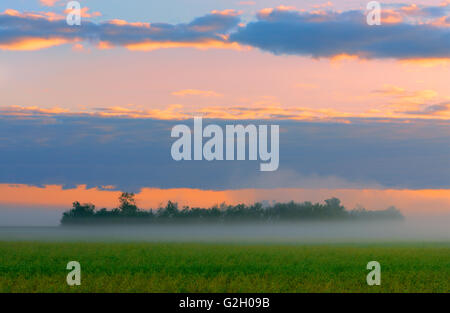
128	204
80	211
128	212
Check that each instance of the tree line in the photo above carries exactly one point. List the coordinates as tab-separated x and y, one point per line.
128	212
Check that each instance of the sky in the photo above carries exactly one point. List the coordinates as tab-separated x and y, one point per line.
86	111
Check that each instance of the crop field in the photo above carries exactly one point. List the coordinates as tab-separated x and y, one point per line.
212	267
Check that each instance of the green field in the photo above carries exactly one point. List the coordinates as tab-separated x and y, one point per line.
182	267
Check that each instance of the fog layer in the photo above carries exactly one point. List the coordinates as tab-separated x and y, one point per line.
412	229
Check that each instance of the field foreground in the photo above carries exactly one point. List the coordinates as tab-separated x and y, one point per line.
207	267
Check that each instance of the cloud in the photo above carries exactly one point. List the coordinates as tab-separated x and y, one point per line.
30	43
84	12
49	3
408	32
440	109
209	31
413	97
416	102
328	34
16	110
402	108
323	5
130	153
196	92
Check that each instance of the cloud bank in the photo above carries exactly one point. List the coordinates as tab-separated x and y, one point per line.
330	34
26	31
134	153
407	32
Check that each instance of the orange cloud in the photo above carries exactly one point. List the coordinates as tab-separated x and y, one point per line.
268	11
123	22
196	92
410	8
391	17
431	62
48	3
207	44
407	100
260	111
420	103
31	44
391	90
443	21
170	113
323	5
84	12
51	16
413	97
104	45
228	12
17	110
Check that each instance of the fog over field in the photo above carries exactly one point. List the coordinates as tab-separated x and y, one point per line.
411	229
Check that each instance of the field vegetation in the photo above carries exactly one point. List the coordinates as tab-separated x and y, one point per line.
196	267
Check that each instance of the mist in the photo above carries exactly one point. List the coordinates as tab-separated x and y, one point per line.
412	229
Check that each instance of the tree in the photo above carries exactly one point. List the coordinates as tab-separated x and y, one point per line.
82	210
170	211
289	211
334	208
128	204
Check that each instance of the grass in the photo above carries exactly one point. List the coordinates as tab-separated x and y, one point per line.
181	267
